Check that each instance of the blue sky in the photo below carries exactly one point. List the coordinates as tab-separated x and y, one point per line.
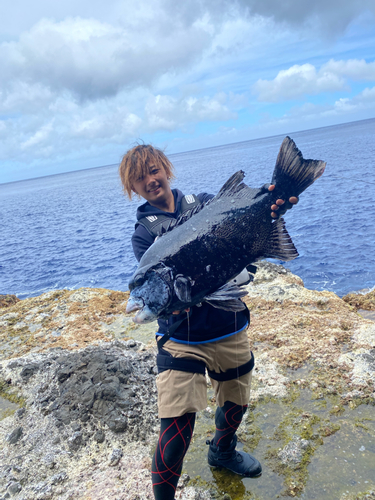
82	80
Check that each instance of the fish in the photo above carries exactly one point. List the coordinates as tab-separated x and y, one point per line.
199	255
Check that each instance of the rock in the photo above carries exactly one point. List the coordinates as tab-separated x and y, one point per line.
8	300
15	435
364	301
14	488
292	453
59	478
88	391
99	436
29	370
20	413
75	441
115	457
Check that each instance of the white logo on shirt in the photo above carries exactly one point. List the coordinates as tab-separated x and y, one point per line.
189	198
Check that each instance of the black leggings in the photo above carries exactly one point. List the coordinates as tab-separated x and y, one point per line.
173	443
227	420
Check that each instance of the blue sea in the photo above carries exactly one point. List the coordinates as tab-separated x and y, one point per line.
73	230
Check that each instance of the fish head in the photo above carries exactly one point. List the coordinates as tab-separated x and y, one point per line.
151	290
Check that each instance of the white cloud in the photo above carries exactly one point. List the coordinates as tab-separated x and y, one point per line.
76	87
305	79
358	107
355	69
92	59
39	137
165	112
295	82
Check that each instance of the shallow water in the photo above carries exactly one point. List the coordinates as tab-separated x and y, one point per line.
344	463
6	407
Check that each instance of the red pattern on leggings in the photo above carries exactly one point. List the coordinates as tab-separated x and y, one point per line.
227	419
173	443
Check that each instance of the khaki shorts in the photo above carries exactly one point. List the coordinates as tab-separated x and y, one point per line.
183	392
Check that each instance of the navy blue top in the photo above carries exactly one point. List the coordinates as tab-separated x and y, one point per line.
206	323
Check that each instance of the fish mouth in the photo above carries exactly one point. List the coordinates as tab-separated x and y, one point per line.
145	315
134	304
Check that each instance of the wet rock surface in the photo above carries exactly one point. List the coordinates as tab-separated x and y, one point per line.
86	422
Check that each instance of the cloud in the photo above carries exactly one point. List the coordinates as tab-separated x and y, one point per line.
39	137
92	59
305	79
355	69
330	17
296	81
360	106
165	112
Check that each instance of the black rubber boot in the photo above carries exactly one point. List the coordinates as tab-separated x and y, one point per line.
236	461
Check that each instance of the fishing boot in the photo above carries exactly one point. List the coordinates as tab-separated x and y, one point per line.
238	462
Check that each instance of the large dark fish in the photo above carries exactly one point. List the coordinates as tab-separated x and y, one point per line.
196	258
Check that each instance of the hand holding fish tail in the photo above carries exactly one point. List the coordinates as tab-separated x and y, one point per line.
279	208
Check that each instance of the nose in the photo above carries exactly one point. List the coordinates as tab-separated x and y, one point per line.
150	179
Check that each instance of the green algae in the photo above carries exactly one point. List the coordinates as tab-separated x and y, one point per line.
330	465
10	394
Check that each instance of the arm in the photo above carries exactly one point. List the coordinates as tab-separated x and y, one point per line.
141	241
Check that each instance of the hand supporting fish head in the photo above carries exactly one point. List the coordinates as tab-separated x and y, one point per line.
151	291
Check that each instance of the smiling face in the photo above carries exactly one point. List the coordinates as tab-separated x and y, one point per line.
154	187
146	171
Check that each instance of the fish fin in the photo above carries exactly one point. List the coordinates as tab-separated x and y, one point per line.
181	219
280	245
182	288
227	298
234	305
292	172
235	187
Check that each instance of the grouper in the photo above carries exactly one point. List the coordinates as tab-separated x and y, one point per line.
200	254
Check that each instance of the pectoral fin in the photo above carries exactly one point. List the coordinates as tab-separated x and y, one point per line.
227	298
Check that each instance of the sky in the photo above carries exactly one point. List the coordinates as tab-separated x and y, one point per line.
82	81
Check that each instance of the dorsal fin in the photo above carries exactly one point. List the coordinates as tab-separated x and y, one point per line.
234	187
181	219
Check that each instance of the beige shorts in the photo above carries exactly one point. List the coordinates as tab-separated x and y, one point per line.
183	392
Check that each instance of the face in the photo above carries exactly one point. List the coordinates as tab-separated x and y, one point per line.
154	187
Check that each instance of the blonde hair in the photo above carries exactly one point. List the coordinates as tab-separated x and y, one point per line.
136	162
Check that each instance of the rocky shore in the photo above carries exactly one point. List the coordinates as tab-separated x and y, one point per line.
78	413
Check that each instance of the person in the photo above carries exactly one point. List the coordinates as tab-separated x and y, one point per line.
203	338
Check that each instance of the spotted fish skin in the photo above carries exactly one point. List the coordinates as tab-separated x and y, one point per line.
191	262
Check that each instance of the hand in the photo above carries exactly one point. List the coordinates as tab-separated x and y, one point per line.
279	208
178	312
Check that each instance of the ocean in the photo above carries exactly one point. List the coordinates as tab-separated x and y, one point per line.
73	230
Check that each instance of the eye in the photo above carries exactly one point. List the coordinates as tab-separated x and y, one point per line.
154	171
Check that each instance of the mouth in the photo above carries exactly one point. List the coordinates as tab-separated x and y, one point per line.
144	314
134	304
154	189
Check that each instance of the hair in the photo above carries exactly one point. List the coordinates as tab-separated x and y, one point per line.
135	164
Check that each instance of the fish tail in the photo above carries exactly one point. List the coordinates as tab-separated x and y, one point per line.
293	174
